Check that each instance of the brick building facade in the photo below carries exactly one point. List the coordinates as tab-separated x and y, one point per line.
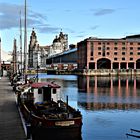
102	53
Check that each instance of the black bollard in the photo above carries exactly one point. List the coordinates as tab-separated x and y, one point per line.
28	128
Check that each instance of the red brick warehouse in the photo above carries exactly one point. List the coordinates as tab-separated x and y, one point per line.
108	53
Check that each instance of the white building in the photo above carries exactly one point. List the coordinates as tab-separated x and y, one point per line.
59	45
36	52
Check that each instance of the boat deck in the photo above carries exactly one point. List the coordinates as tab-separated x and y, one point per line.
11	127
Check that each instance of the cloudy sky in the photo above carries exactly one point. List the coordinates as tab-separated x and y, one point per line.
77	18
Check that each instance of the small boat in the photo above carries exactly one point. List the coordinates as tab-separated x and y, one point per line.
49	118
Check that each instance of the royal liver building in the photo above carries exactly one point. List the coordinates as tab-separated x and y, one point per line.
36	52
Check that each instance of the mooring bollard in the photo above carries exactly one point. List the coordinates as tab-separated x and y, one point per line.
28	128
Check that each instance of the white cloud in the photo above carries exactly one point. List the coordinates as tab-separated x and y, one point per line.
10	16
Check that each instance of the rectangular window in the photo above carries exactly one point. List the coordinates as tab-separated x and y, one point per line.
123	58
115	58
54	90
131	43
91	44
123	53
131	48
91	58
115	43
115	48
39	91
91	48
115	53
138	53
99	53
123	48
103	54
99	43
108	48
99	48
138	43
103	50
107	53
138	48
123	43
131	53
131	58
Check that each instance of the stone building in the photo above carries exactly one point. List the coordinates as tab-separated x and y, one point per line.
108	53
33	47
36	52
59	45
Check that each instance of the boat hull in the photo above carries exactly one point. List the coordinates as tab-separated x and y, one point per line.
41	128
53	133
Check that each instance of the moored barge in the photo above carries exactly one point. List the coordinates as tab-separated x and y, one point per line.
49	118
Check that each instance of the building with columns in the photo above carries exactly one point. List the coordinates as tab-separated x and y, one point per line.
107	53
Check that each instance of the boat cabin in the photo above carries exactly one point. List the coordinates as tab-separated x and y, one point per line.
45	91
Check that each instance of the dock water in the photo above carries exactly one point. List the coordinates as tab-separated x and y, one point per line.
11	127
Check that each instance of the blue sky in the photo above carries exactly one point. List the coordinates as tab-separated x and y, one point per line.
77	18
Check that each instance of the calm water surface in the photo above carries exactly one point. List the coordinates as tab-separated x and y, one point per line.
110	105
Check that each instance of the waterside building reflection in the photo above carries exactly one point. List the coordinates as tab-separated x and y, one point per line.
101	93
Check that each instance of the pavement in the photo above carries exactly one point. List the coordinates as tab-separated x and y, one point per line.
11	127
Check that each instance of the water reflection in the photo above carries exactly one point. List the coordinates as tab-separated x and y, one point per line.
109	105
109	92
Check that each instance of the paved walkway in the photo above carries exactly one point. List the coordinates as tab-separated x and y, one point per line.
10	123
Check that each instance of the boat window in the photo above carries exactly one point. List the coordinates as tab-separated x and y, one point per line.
32	90
39	91
54	90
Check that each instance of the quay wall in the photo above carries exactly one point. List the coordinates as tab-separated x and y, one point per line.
91	72
108	72
99	72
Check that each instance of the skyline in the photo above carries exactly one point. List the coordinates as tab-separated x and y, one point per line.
79	19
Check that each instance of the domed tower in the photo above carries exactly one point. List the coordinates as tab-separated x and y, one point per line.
60	44
64	40
55	47
32	46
